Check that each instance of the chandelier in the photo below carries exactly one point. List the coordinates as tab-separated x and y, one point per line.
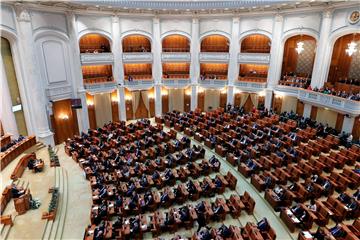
351	48
300	47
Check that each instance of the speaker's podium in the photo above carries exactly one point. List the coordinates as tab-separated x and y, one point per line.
22	204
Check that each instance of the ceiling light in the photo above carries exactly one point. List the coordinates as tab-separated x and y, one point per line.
300	47
351	48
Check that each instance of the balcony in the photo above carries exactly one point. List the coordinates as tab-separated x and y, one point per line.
139	84
254	58
138	57
175	57
250	86
176	82
217	57
100	87
329	101
96	58
212	83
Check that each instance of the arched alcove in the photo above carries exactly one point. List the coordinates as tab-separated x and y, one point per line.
215	43
175	43
94	43
256	43
136	43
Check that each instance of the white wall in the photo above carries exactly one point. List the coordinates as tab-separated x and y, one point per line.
94	23
212	99
256	24
300	22
215	24
7	18
176	99
289	104
326	117
54	21
173	25
136	24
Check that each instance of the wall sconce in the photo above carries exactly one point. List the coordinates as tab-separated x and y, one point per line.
114	99
261	94
164	93
188	92
128	98
90	103
151	96
223	91
201	90
63	116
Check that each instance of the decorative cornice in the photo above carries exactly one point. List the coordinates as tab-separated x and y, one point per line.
22	14
279	18
328	13
262	58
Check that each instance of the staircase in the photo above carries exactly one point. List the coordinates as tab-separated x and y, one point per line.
54	229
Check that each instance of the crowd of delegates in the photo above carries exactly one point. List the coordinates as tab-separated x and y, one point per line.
332	91
350	81
293	80
12	143
322	130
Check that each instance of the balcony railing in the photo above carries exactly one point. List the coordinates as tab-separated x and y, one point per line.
176	82
250	86
96	58
176	49
214	57
100	86
175	57
207	83
254	58
138	57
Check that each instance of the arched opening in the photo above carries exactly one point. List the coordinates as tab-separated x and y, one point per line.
93	74
94	43
215	43
176	70
175	43
344	73
136	43
253	73
298	61
137	71
256	43
213	71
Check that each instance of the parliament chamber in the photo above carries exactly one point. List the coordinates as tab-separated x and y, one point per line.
191	119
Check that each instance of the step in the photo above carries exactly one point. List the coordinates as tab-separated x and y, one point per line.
5	229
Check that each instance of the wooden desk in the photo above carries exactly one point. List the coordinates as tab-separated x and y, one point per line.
11	153
289	219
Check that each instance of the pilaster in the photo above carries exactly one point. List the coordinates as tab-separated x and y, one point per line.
348	124
268	98
32	79
323	53
158	100
307	110
193	102
156	50
230	95
118	71
122	103
276	53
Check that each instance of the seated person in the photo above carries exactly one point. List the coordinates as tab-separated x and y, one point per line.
312	205
35	164
263	225
217	182
17	192
337	232
356	195
184	214
204	234
164	197
225	232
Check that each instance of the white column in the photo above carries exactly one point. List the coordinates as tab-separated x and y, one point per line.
233	71
158	100
307	110
193	102
268	98
156	51
78	84
276	53
348	124
122	103
7	116
32	79
118	70
116	48
323	53
230	95
194	64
